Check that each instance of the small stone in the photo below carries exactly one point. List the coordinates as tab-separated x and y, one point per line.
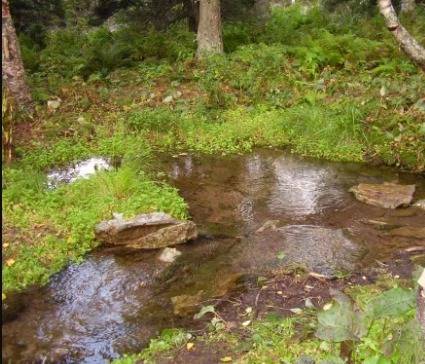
167	99
52	105
296	310
308	303
169	255
177	94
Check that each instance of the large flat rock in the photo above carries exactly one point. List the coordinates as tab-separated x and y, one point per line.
386	195
146	231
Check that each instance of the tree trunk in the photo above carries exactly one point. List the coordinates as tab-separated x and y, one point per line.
408	6
409	45
209	28
262	10
13	72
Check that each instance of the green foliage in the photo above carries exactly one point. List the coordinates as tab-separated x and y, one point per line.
169	339
82	51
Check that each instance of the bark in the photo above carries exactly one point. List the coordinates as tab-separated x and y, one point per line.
13	72
262	10
209	29
408	6
409	45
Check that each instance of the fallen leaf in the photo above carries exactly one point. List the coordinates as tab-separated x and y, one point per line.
5	245
189	346
3	296
281	255
226	359
246	323
10	262
328	306
248	310
296	310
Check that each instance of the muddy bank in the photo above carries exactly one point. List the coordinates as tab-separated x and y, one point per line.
260	215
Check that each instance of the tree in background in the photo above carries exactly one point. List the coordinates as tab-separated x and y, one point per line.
408	6
13	72
209	36
409	45
262	10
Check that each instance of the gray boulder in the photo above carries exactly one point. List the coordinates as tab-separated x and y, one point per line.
146	231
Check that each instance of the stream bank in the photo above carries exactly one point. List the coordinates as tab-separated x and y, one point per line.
116	300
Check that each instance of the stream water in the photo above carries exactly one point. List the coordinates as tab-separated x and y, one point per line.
258	214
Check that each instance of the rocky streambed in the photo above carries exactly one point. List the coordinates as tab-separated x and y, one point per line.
259	216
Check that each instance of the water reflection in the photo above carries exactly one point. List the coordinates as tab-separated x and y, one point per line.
83	169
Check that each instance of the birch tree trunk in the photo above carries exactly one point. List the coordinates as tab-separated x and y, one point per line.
13	73
408	6
410	46
209	28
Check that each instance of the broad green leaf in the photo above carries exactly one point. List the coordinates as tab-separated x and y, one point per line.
377	359
337	323
393	302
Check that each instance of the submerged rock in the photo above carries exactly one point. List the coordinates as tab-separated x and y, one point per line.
187	304
409	232
146	231
328	252
387	195
219	287
169	255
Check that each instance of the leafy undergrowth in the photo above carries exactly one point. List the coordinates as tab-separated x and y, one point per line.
367	324
321	84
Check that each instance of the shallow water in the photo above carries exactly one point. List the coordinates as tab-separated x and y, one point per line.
116	300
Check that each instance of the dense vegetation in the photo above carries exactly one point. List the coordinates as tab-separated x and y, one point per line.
321	82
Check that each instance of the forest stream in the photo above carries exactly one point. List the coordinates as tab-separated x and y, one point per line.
259	215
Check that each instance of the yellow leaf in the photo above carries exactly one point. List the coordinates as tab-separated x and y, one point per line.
5	245
226	359
10	262
189	346
3	296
